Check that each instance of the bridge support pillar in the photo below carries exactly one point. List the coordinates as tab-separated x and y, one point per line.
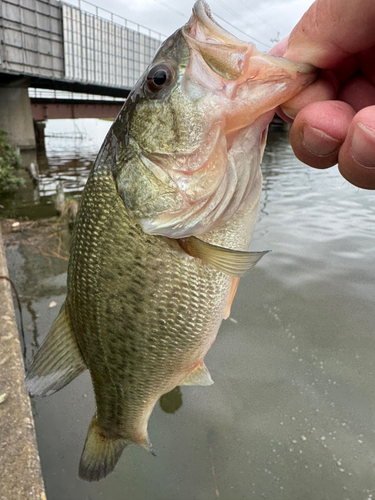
39	135
16	117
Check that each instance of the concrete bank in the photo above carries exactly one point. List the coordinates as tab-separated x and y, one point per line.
20	473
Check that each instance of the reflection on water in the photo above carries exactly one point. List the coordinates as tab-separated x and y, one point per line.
291	414
71	148
172	401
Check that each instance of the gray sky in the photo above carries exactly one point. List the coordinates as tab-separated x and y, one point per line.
260	20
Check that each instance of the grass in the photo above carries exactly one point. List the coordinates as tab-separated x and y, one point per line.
9	162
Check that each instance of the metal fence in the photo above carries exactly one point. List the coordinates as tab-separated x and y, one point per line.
59	41
103	52
31	37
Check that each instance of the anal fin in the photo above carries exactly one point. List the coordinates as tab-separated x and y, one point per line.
58	361
199	376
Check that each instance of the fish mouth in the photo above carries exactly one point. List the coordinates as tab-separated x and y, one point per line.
203	26
233	59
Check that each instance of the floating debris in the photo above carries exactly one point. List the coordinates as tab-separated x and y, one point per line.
47	237
33	169
66	207
60	198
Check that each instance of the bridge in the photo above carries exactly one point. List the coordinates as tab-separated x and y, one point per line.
48	44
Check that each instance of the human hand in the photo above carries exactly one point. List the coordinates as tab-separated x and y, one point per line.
334	118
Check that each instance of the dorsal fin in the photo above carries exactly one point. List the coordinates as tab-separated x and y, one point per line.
58	361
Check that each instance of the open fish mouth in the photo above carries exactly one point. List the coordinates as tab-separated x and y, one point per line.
232	58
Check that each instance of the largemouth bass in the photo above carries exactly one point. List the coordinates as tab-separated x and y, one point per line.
163	231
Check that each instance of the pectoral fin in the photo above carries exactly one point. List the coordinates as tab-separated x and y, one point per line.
199	376
232	262
58	361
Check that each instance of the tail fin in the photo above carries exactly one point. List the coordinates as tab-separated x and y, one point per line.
58	361
100	455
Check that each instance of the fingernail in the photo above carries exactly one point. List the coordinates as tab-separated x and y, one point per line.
319	143
363	146
288	113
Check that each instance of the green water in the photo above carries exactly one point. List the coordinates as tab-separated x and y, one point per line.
291	415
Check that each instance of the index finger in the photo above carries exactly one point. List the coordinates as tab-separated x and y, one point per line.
332	30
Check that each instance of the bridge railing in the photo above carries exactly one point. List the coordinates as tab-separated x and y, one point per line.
103	52
59	41
64	95
91	8
31	38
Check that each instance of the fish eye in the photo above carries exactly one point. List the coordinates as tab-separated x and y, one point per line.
158	77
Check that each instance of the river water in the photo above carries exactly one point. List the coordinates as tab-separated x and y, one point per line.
291	415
